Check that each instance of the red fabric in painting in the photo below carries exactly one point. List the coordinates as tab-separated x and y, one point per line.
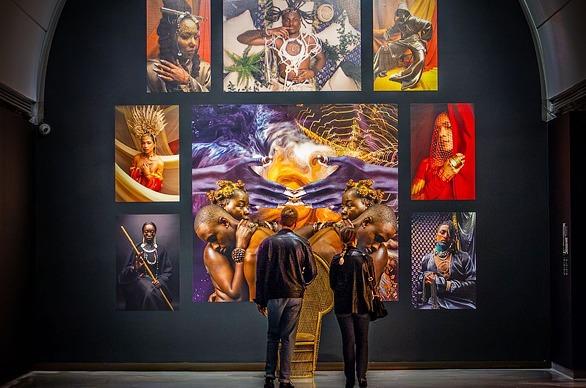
431	56
462	119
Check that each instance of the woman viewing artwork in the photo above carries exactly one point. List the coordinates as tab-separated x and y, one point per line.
351	279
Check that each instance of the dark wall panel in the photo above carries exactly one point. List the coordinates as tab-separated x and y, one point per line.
16	238
97	61
560	252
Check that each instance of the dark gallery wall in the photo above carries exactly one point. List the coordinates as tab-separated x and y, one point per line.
97	61
567	291
17	238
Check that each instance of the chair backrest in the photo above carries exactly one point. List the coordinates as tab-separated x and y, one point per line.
318	300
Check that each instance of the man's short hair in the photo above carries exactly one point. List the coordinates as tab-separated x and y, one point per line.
208	213
378	213
289	216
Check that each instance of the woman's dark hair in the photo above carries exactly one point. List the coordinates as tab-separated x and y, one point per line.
167	31
348	235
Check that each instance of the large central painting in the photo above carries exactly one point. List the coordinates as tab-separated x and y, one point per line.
338	164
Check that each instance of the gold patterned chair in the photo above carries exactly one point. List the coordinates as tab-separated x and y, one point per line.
318	300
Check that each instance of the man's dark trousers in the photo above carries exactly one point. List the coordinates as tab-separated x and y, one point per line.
283	317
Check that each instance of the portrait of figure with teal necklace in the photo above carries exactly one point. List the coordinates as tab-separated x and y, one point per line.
447	274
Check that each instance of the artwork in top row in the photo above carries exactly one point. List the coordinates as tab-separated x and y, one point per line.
291	45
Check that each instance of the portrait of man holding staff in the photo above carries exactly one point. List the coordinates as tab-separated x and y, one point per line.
147	264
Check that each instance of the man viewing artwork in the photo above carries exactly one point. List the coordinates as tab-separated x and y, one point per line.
284	269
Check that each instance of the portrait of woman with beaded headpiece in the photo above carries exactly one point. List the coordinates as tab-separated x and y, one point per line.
291	45
147	153
178	46
443	152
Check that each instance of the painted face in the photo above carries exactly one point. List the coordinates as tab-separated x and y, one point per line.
292	21
238	205
220	235
188	37
149	233
352	205
443	233
444	128
371	228
147	144
401	16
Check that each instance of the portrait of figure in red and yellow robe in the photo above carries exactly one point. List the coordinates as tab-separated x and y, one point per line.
147	153
443	165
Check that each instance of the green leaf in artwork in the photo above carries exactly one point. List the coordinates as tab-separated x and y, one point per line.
248	67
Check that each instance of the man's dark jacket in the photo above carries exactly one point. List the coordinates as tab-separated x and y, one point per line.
284	267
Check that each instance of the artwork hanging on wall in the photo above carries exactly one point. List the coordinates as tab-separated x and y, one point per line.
405	45
443	152
443	260
291	45
146	168
147	262
178	43
333	162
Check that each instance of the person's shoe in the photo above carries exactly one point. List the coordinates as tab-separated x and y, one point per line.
362	383
286	385
350	383
269	383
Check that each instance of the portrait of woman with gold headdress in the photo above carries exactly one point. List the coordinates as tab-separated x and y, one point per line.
147	153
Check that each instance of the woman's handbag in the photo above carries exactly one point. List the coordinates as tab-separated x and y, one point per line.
378	308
